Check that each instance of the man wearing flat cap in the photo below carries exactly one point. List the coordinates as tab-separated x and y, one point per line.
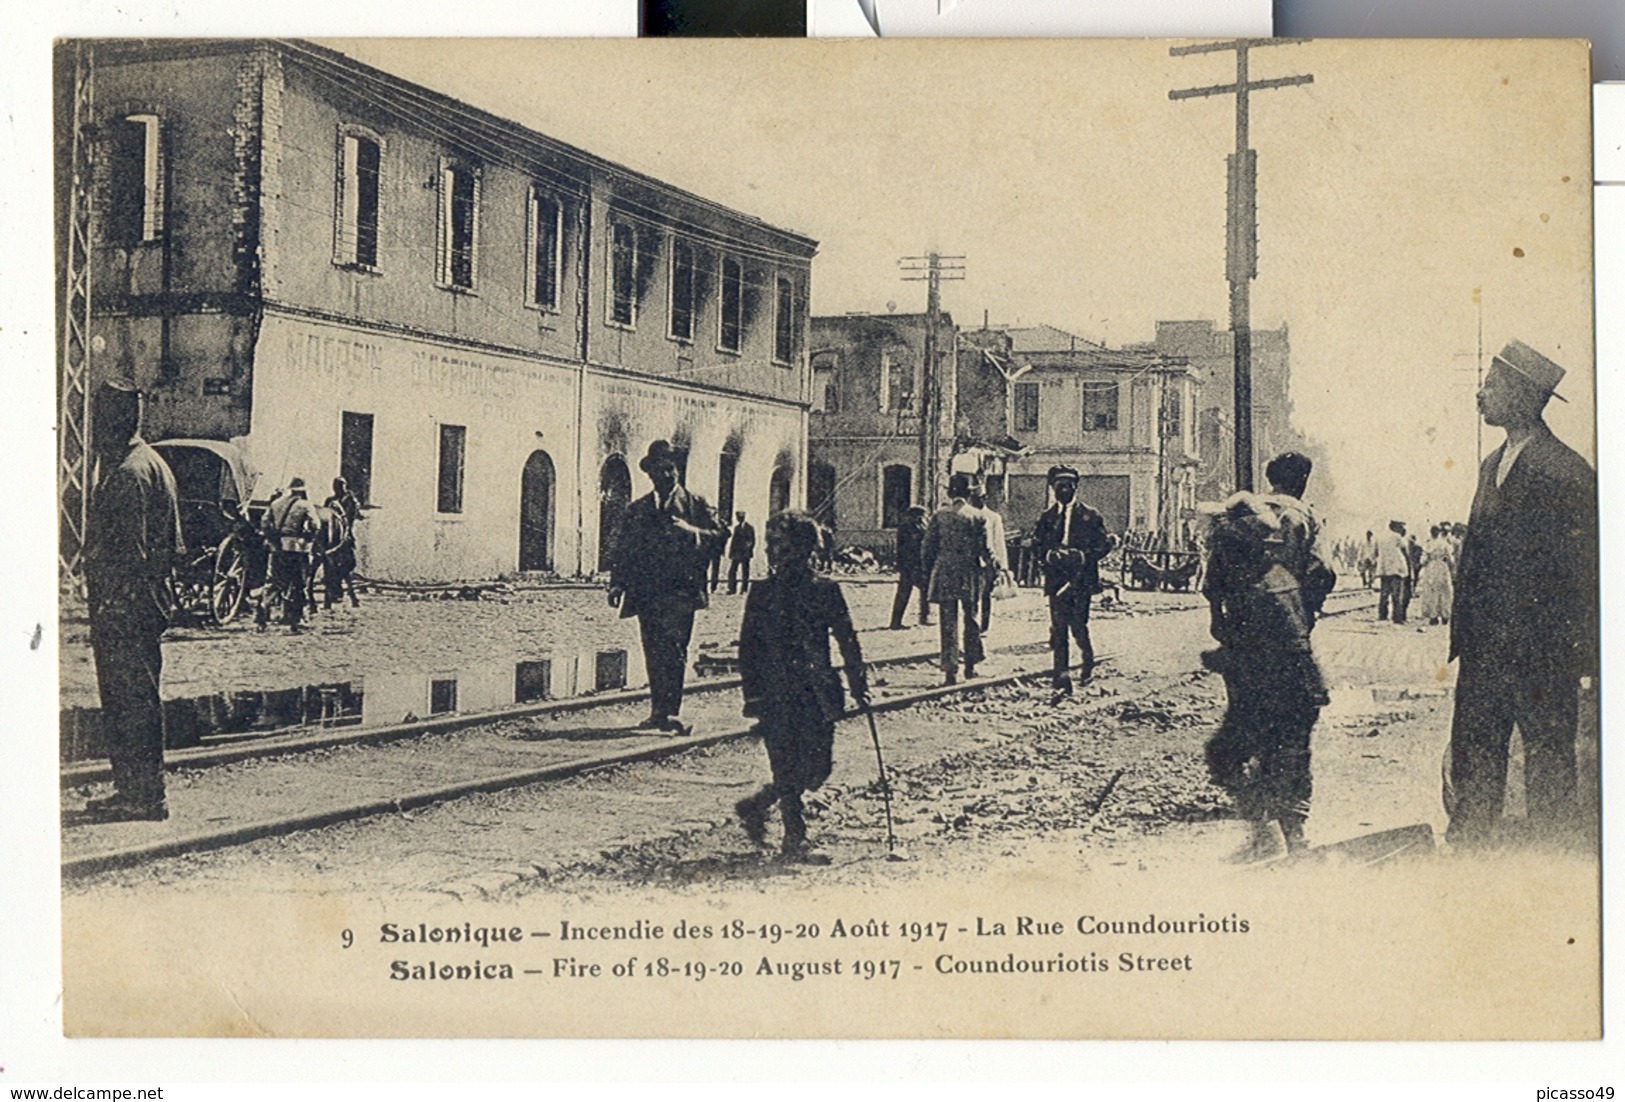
131	542
1524	623
1069	541
657	574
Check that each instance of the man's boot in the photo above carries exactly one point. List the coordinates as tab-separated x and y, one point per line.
752	812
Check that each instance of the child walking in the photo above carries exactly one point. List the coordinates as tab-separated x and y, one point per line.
790	685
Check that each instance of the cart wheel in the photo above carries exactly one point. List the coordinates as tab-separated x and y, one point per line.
230	582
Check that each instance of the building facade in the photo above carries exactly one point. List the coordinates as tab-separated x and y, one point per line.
1042	397
481	328
869	456
1211	353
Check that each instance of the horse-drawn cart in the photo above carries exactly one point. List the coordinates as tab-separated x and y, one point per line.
225	558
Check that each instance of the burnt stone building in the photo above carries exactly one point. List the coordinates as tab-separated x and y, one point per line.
1211	353
865	429
480	327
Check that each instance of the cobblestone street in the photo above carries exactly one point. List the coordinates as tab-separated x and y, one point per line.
1112	779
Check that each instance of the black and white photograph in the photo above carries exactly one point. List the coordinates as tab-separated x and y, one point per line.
1086	539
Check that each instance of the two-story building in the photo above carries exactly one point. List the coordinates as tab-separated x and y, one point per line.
1123	418
478	326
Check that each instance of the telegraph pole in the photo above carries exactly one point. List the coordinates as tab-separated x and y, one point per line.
1241	253
1478	372
936	268
73	393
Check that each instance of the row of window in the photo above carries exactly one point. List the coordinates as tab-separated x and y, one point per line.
457	237
1099	407
896	396
898	382
137	201
355	461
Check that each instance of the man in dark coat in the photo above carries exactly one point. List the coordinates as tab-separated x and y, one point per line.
741	549
956	554
1524	622
657	574
1069	540
910	567
132	541
789	684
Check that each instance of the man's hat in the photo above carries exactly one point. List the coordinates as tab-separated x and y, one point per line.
660	451
296	485
1534	367
1057	473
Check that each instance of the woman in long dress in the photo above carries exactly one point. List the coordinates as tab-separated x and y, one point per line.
1435	592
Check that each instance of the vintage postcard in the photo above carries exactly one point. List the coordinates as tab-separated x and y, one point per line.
827	539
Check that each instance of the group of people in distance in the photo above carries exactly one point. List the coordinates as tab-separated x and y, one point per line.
297	536
1523	616
1404	570
958	559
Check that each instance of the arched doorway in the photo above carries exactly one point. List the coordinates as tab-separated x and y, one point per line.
821	493
536	513
778	490
614	494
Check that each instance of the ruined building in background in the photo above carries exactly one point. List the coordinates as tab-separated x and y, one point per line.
1014	401
480	327
866	439
1210	352
1123	417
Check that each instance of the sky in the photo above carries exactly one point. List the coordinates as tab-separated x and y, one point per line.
1407	175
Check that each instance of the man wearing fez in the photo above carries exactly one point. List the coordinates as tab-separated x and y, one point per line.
1524	622
658	575
1069	541
132	540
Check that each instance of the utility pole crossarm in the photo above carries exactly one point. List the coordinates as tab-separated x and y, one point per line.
1231	89
1241	222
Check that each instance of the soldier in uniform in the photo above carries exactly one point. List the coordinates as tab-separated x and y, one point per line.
658	575
1069	540
132	541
